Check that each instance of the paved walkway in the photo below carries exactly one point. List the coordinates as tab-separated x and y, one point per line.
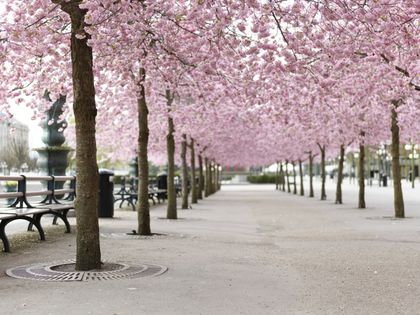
246	250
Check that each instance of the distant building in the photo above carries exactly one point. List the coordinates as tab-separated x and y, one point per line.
10	130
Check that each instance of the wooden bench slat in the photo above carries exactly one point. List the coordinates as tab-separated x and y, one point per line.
63	191
11	178
38	193
22	211
63	178
56	206
40	178
11	194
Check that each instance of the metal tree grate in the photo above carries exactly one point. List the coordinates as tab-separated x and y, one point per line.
129	236
392	218
52	272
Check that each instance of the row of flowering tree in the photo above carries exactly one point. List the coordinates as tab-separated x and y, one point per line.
203	83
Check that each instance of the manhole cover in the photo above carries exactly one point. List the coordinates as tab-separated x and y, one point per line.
63	271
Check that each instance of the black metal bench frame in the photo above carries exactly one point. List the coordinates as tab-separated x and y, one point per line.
22	209
130	195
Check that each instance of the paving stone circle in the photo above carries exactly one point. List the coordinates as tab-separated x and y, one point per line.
56	271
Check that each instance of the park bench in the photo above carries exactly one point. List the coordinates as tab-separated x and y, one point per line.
130	194
123	195
22	209
160	194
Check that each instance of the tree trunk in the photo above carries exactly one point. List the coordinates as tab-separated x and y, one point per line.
200	178
143	187
277	176
220	176
218	185
368	160
302	190
216	179
88	253
207	179
396	170
294	179
323	172
418	164
184	172
171	212
362	204
338	193
211	179
193	181
282	179
311	175
287	177
413	165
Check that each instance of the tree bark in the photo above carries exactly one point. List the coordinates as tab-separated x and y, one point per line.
323	172
218	178
207	179
211	179
311	175
88	253
338	193
413	166
302	190
184	172
193	182
200	178
277	176
282	179
143	206
294	179
396	170
171	211
368	166
215	177
362	203
287	177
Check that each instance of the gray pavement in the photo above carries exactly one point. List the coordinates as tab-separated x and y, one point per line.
246	250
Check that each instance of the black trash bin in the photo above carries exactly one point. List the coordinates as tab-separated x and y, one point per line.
106	197
162	187
384	180
162	181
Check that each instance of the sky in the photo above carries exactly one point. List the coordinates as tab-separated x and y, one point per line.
23	115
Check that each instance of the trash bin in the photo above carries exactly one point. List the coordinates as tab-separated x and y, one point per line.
162	181
106	197
384	181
